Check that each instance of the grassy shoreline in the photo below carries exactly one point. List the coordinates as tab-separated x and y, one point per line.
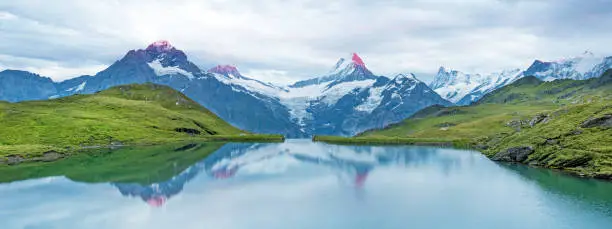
379	140
15	154
457	143
130	164
126	115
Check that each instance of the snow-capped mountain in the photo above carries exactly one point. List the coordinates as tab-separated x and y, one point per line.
161	63
581	67
344	70
347	100
351	99
463	89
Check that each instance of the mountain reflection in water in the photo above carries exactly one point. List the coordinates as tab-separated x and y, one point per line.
295	184
351	163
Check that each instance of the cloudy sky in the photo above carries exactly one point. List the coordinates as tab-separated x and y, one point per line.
286	40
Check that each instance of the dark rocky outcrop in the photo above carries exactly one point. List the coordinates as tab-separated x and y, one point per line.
603	122
445	124
49	156
539	118
514	154
188	131
45	157
14	159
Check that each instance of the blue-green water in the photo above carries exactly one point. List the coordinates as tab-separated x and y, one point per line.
301	184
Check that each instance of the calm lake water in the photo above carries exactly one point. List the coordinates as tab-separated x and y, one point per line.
296	184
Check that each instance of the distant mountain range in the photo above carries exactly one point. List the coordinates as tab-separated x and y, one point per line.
463	89
347	100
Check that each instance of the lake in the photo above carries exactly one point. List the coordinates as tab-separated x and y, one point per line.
295	184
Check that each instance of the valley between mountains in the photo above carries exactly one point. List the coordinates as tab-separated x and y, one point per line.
552	114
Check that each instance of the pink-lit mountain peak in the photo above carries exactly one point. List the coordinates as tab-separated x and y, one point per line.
357	60
160	46
225	70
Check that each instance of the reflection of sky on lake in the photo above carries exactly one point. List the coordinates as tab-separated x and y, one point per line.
299	184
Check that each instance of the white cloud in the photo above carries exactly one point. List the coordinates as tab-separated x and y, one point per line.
7	16
301	38
49	68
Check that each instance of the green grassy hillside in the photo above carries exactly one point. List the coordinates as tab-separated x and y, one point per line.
122	115
564	124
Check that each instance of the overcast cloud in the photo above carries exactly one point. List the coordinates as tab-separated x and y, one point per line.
282	41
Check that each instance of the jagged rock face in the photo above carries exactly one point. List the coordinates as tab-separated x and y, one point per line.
352	99
381	104
20	85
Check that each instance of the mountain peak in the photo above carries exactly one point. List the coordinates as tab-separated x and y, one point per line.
357	60
225	70
401	78
441	70
160	46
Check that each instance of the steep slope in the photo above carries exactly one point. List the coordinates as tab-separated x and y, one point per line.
21	85
344	71
128	114
564	124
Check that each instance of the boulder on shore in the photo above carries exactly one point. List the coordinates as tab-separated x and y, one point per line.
514	154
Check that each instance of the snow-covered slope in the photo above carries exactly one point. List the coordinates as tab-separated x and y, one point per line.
581	67
463	89
454	85
347	100
350	99
231	76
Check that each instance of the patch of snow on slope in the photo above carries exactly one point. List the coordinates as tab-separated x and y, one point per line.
250	84
81	86
78	88
160	70
297	100
333	94
455	92
372	101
